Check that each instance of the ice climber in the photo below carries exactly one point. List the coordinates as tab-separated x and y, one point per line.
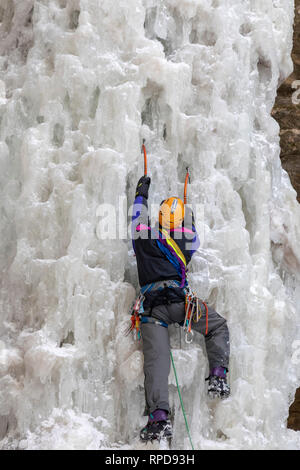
162	254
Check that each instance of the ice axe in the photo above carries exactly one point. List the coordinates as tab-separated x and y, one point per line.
187	180
145	158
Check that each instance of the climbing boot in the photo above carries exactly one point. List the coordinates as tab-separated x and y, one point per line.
217	385
158	427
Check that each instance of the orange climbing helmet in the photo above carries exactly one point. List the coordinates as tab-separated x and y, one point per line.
171	213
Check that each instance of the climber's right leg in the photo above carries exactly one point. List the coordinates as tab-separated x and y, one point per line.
156	349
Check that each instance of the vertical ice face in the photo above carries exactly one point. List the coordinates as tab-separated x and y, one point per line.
81	83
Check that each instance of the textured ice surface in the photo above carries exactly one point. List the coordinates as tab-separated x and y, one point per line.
81	83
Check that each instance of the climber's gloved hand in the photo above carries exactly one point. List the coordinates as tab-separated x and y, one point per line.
143	186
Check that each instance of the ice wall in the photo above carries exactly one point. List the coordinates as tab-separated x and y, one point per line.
82	83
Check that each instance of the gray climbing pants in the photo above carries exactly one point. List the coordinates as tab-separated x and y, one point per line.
156	349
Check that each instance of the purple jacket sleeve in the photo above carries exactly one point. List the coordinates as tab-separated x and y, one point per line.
140	218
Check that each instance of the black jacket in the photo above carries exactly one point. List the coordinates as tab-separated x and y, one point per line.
152	263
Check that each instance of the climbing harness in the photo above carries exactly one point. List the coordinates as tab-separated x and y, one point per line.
137	310
145	319
193	310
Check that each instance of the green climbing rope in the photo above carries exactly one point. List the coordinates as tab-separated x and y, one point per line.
181	402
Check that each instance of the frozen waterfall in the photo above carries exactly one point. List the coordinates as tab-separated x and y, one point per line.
82	82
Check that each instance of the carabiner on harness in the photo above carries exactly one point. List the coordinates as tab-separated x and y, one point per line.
193	313
189	311
135	317
189	336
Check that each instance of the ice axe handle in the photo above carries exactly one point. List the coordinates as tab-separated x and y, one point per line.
145	159
187	179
